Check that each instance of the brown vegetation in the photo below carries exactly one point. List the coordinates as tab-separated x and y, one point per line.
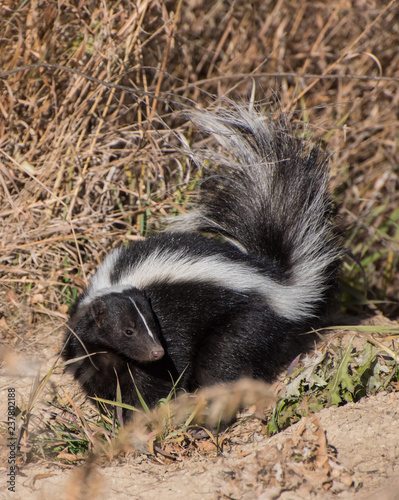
89	131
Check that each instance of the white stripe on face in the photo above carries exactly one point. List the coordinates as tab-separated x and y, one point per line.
143	319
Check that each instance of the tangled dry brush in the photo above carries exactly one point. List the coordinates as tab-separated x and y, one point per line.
88	131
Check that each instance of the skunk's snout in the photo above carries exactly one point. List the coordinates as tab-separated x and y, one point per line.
157	353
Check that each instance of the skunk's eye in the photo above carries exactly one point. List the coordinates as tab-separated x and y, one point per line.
129	332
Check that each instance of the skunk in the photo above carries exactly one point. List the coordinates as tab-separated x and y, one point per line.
183	309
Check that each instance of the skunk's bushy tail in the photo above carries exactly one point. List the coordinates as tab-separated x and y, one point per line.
268	193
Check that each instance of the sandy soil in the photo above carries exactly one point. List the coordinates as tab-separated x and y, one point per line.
346	452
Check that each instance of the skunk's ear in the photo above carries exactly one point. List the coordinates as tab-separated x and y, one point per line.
97	311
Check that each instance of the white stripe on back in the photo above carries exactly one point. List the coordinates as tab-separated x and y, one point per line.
293	301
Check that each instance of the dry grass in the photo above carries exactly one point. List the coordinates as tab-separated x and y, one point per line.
88	155
84	166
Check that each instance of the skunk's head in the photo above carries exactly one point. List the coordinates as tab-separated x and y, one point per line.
121	321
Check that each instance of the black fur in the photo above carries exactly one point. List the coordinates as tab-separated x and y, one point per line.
218	311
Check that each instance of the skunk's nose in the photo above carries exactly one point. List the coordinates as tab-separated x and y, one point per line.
157	354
